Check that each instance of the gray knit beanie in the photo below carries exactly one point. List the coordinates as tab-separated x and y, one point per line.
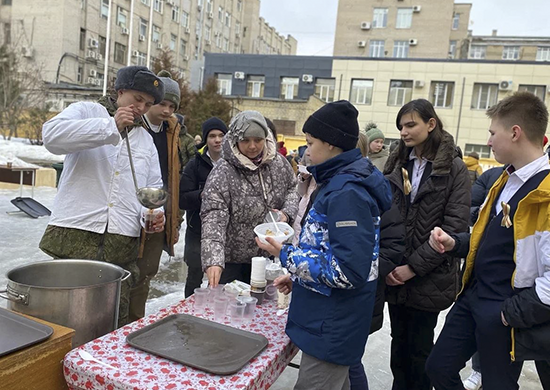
140	78
171	88
373	132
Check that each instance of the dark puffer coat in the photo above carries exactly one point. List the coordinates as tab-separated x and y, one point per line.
443	200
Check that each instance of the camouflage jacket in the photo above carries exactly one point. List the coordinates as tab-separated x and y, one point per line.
187	147
237	197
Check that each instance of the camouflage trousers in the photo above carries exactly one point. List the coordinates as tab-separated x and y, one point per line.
148	266
67	243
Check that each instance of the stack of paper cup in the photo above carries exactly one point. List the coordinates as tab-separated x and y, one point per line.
257	278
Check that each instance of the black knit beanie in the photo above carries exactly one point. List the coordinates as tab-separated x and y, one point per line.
336	124
212	124
139	78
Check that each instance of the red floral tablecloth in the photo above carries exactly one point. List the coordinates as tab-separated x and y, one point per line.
140	370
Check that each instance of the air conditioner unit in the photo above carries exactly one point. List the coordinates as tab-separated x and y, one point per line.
417	8
187	30
91	81
93	43
99	57
186	58
307	78
208	42
93	73
419	84
159	46
90	54
98	82
505	86
125	31
135	53
239	75
171	3
141	38
365	25
413	42
210	15
362	44
27	51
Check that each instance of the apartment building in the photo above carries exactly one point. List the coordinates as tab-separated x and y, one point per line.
460	90
509	48
402	28
67	39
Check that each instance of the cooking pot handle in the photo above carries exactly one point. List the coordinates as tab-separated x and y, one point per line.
126	276
14	296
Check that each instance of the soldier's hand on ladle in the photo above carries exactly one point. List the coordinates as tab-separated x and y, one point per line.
124	117
159	221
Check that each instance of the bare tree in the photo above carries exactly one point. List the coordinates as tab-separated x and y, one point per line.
21	88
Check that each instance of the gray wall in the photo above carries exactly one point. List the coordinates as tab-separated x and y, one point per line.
273	67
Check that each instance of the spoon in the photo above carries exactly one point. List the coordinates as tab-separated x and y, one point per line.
274	223
86	356
149	197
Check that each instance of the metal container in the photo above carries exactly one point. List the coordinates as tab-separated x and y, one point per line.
80	294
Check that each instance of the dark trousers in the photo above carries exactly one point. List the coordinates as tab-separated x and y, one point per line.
474	324
476	364
543	369
233	272
412	334
192	257
358	378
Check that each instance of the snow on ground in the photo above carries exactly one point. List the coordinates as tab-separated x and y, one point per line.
23	150
20	235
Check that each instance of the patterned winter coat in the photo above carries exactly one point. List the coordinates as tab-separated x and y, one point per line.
237	197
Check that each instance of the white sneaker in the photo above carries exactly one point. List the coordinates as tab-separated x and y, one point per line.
473	382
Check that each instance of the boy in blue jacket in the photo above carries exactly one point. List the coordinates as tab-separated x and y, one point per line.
334	268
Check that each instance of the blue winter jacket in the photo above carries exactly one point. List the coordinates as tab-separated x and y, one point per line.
335	265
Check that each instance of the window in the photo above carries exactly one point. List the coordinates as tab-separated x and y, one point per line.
225	45
102	45
82	39
184	19
289	88
142	27
255	86
6	2
441	93
176	14
173	40
456	21
376	49
400	49
156	33
538	90
361	91
510	53
141	59
239	5
79	74
452	49
477	52
484	96
207	33
404	18
121	17
224	83
237	28
104	8
220	13
209	6
227	19
120	53
400	92
219	41
7	33
146	2
483	151
543	53
183	47
324	89
380	18
158	5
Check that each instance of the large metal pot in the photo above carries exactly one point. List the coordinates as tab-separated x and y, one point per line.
81	294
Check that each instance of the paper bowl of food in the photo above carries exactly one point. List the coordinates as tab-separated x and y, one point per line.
269	230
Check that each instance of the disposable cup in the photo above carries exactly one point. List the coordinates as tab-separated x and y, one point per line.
250	309
270	293
201	300
216	292
220	308
231	294
236	312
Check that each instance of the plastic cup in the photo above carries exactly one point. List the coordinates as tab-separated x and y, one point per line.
216	292
220	308
236	312
149	219
201	300
250	309
231	295
270	293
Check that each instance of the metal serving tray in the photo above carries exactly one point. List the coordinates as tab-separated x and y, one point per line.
18	332
199	343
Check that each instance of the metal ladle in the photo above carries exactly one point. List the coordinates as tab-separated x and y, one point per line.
150	197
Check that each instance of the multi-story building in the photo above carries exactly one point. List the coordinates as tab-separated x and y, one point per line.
461	90
508	48
402	28
67	39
